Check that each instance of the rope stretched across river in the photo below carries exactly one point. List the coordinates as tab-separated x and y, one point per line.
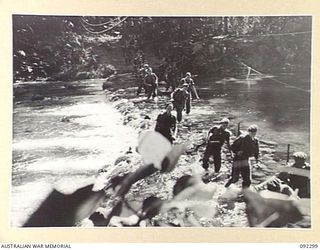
278	34
278	81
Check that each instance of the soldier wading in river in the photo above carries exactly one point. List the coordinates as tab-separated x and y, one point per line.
179	98
166	124
247	146
191	90
151	82
141	73
217	136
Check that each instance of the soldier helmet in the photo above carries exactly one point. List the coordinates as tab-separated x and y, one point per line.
300	155
225	120
253	128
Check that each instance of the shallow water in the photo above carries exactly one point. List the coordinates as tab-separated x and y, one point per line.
62	144
63	140
281	112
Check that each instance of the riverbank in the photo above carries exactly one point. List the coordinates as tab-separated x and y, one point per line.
141	114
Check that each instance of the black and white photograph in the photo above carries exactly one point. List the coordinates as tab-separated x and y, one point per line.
161	121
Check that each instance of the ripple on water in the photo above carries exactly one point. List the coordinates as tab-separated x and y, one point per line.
47	149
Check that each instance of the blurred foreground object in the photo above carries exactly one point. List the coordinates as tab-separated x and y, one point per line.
65	210
270	212
158	155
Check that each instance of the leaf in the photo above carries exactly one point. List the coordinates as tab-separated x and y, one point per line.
21	52
231	193
153	148
172	157
196	196
117	221
29	68
70	24
151	207
204	210
78	42
98	219
59	209
197	192
273	195
263	212
304	206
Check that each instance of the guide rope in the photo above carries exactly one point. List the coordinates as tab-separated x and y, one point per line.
273	79
229	37
277	34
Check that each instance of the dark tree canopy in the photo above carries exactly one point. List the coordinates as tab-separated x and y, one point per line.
60	46
203	44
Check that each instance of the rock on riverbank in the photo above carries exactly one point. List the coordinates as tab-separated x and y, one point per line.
141	114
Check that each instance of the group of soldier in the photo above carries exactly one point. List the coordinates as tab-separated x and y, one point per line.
181	98
241	150
218	135
181	95
66	210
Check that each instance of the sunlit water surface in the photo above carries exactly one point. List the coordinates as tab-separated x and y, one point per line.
281	112
62	144
63	140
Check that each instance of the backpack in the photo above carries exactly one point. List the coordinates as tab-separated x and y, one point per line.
150	79
236	145
178	96
161	123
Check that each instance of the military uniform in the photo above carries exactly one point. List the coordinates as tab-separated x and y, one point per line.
151	81
180	97
216	140
165	123
249	147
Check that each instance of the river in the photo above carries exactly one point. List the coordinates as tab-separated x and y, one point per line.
281	112
62	140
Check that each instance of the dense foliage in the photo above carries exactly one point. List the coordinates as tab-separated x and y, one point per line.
204	44
61	48
52	47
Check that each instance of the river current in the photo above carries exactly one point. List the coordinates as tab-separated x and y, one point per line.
62	140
